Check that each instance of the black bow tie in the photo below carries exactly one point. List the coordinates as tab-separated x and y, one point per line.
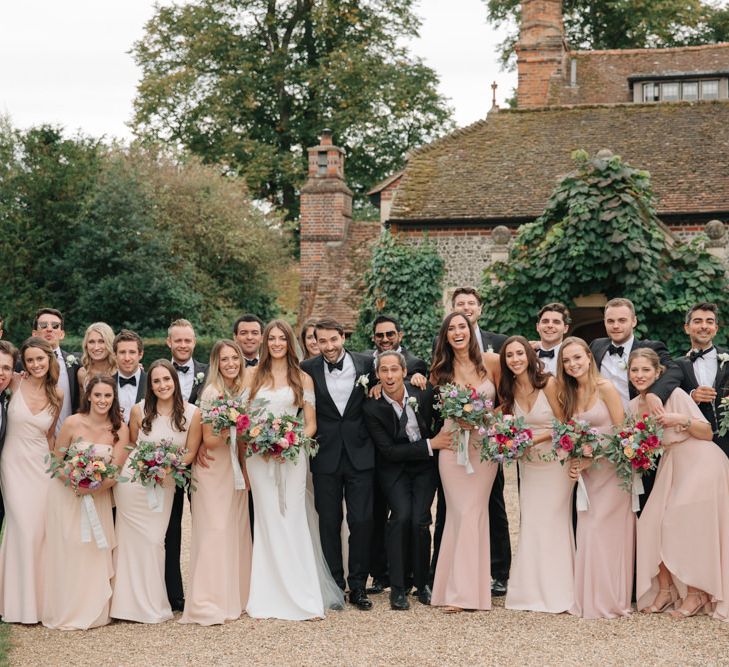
251	362
616	350
546	353
132	381
697	354
180	367
339	365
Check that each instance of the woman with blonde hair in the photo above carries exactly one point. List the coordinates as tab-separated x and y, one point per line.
220	549
606	527
98	356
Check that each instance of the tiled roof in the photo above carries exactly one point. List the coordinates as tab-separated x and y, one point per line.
507	165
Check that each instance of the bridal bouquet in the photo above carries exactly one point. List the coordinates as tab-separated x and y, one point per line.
280	438
508	439
465	406
83	468
634	450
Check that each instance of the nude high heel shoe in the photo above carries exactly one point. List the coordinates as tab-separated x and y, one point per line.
656	610
703	602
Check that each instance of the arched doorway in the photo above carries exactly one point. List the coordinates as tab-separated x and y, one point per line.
587	317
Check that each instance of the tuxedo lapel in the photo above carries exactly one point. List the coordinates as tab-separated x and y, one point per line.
321	382
4	425
141	386
358	371
601	347
689	371
721	370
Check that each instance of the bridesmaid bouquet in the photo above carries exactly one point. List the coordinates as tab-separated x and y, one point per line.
634	450
574	439
724	421
464	405
279	438
508	439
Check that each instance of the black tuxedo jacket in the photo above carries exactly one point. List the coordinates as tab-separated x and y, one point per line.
141	385
665	385
395	451
4	425
72	371
336	432
721	384
414	364
197	367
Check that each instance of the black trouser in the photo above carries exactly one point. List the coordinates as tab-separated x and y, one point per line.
410	497
378	552
498	530
355	486
173	542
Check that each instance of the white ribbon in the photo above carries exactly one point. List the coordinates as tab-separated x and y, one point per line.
274	469
90	523
238	481
155	498
583	502
636	490
462	451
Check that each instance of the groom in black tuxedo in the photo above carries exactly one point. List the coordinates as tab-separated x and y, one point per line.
8	359
705	369
344	466
400	423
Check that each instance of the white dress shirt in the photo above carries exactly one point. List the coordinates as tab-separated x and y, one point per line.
64	385
705	369
128	395
412	429
550	364
479	339
615	369
186	379
340	384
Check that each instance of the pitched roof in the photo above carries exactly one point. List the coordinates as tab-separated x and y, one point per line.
507	165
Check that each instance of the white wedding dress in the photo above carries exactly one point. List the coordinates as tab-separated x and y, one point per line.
289	577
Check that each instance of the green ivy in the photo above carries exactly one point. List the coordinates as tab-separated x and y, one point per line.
599	233
406	281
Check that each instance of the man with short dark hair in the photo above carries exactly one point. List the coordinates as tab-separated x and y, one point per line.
8	359
344	466
467	300
387	334
705	368
248	332
131	378
553	322
48	325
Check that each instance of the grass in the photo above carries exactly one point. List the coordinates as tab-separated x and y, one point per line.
4	644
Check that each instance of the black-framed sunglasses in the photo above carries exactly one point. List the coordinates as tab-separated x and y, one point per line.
52	325
390	334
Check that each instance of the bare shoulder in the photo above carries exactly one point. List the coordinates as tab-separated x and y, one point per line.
306	381
490	360
606	389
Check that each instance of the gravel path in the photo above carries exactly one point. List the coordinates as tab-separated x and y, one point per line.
423	636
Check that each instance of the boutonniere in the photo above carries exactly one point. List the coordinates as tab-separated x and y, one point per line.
198	379
70	361
622	365
364	382
490	349
7	393
413	403
723	357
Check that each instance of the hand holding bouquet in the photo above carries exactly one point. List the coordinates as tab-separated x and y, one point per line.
576	440
508	439
280	438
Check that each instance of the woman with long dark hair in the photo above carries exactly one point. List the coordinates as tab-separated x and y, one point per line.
542	575
34	408
143	513
78	573
463	573
307	339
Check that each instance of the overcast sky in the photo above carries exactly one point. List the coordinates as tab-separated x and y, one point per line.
67	62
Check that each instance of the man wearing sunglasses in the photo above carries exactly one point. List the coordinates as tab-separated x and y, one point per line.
48	325
387	337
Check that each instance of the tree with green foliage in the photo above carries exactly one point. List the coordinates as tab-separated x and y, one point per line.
627	24
250	84
405	281
599	233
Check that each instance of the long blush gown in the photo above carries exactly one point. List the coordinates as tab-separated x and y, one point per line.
78	574
220	548
463	572
685	522
542	576
139	560
290	588
605	536
25	485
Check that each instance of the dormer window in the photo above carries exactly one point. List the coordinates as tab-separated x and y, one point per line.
677	87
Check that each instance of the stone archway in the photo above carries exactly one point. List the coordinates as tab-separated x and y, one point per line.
587	317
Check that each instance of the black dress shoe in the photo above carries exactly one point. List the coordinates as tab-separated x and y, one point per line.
360	600
378	586
178	604
498	587
399	599
423	594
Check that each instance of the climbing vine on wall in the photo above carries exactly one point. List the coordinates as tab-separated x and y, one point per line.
599	233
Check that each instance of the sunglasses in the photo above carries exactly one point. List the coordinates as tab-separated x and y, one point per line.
389	334
52	325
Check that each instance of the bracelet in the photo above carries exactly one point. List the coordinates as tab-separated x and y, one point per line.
687	425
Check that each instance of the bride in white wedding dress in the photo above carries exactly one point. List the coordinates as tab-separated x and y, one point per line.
289	578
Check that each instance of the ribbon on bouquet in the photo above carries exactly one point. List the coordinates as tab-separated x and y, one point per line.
462	450
155	498
583	502
635	491
238	481
275	471
90	524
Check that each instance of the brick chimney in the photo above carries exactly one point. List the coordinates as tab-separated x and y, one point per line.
540	50
326	211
